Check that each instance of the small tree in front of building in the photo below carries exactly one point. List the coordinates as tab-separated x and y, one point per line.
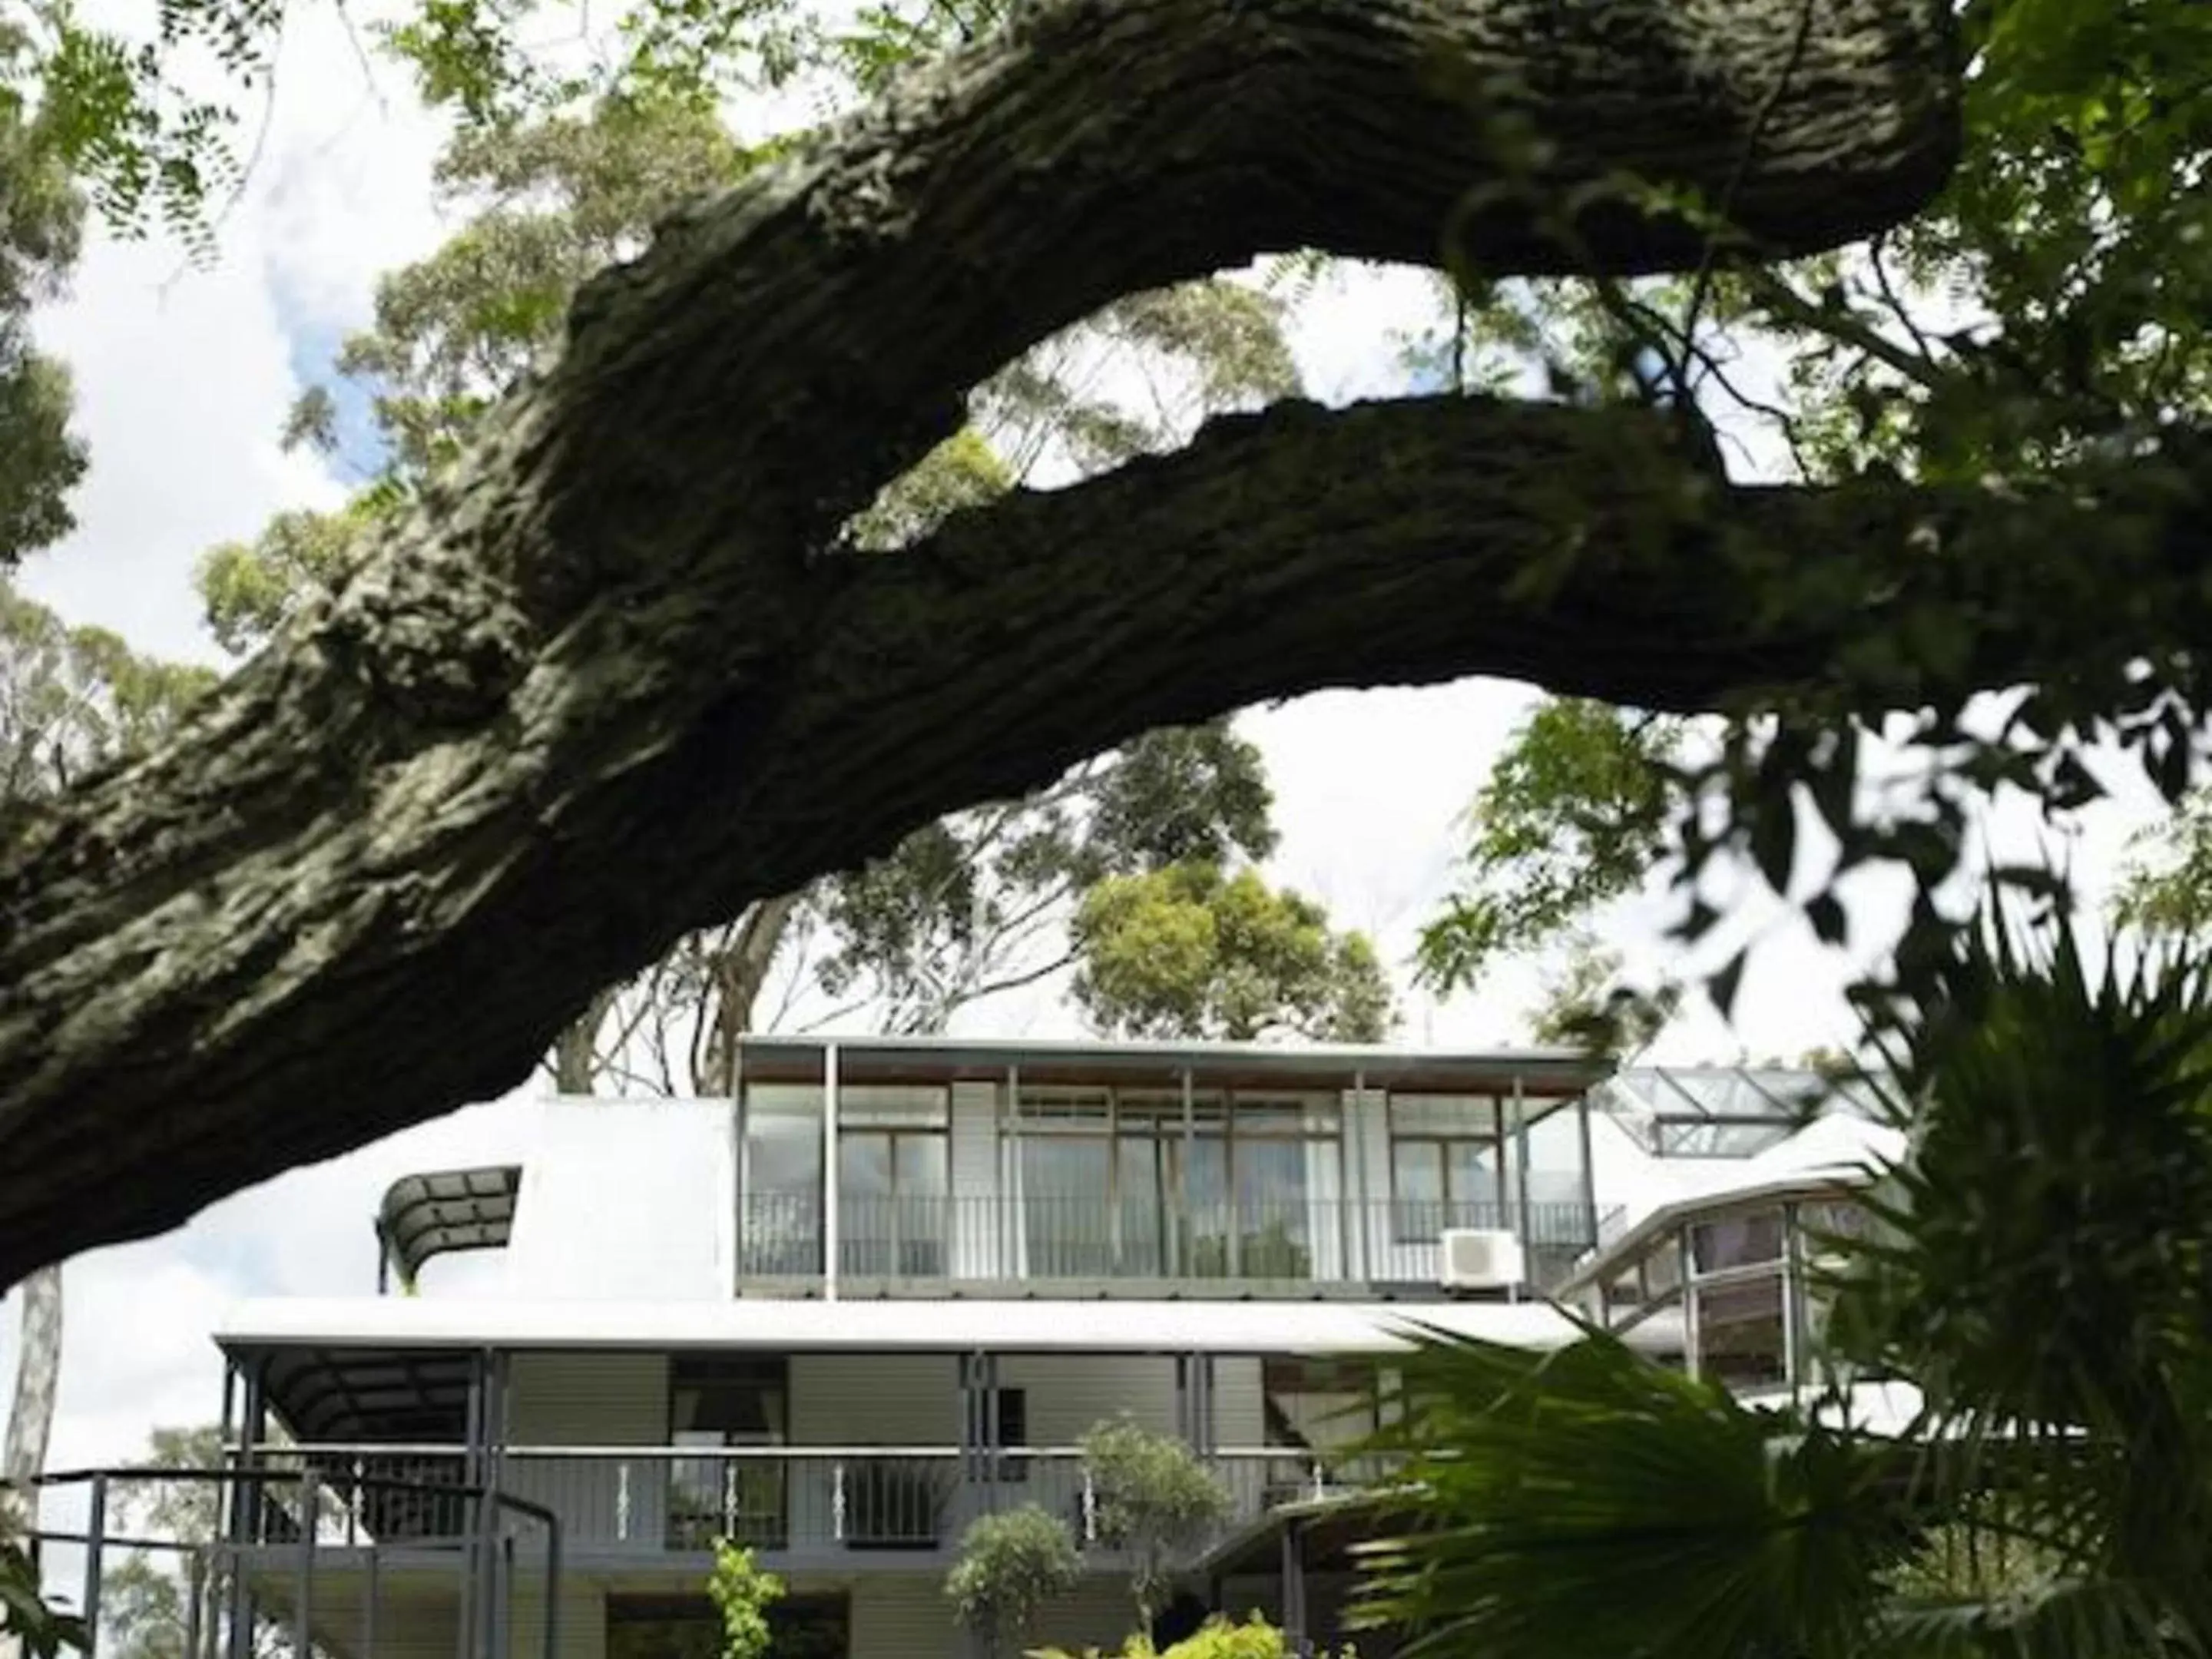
1011	1565
1156	1499
742	1593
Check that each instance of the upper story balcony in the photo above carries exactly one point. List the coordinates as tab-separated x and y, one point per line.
900	1167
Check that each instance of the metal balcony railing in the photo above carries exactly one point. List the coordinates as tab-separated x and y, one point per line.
853	1501
1092	1237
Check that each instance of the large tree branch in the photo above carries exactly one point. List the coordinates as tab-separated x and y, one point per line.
607	685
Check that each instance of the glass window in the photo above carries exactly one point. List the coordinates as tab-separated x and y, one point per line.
890	1105
1067	1206
892	1215
1623	1291
1273	1219
1738	1241
1739	1332
1056	1105
1831	1223
721	1401
1316	1404
1443	1114
1443	1165
1558	1187
1013	1429
780	1230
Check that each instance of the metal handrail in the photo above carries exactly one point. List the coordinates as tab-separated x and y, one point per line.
255	1477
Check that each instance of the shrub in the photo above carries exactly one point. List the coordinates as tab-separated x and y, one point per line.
1218	1639
1156	1499
744	1594
1010	1565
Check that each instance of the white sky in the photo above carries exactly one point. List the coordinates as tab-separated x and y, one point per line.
183	379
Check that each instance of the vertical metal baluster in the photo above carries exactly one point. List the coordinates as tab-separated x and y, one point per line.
368	1602
622	1502
303	1606
95	1543
837	1501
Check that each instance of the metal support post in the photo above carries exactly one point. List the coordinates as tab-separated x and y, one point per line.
1524	1228
303	1601
829	1172
245	1506
1295	1634
95	1546
369	1588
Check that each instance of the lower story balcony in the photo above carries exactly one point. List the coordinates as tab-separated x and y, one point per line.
799	1508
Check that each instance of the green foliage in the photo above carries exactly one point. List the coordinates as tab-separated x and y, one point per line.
39	462
1588	1501
1574	814
2037	1272
248	588
1217	1638
1011	1565
1586	1006
25	1617
2166	889
976	902
1156	1499
2041	1269
742	1593
1187	950
555	199
145	1595
962	471
73	699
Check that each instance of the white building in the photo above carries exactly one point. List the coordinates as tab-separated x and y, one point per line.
889	1288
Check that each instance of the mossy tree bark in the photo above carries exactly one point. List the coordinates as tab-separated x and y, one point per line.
614	679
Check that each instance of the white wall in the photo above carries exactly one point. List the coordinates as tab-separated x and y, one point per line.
627	1199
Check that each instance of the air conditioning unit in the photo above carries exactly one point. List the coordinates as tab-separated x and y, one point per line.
1480	1259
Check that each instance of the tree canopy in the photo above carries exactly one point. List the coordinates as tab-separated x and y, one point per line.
629	614
622	619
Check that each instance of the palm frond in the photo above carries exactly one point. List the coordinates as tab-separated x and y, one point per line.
1587	1501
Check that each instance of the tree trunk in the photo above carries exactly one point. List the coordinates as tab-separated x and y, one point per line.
738	979
38	1384
614	680
576	1049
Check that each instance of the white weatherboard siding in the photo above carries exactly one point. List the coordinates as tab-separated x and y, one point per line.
583	1630
1067	1395
883	1400
591	1400
906	1616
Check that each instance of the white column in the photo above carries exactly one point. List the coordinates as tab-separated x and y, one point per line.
829	1172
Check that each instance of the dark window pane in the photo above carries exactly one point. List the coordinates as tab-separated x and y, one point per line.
1741	1241
1739	1337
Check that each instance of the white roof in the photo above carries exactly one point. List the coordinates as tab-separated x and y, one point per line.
945	1327
1840	1149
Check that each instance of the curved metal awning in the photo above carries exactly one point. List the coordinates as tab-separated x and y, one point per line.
344	1395
441	1210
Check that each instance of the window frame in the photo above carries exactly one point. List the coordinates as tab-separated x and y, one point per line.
1406	1226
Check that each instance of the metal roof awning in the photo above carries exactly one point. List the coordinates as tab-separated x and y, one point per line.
1540	1072
427	1215
335	1394
776	1326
